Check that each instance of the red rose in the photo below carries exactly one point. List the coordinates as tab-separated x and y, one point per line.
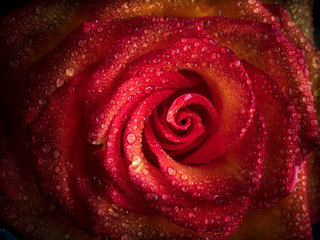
145	126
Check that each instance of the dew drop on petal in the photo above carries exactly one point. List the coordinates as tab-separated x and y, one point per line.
70	71
59	82
56	154
171	171
224	49
46	148
136	162
145	172
41	161
148	89
164	197
125	225
71	89
126	237
101	212
184	177
131	138
42	102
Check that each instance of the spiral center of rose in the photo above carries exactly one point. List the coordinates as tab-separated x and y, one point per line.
182	123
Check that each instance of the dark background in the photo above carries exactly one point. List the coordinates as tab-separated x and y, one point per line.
7	6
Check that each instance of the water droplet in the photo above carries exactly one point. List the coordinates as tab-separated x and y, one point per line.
148	89
41	161
46	148
178	209
186	47
145	172
136	162
112	213
215	56
184	177
159	72
185	189
126	237
42	102
224	49
257	10
115	130
86	29
101	212
164	197
81	43
56	154
236	63
59	82
125	225
171	171
131	138
71	89
304	207
70	71
107	224
136	9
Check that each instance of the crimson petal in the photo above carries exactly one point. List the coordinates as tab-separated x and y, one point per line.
274	54
283	157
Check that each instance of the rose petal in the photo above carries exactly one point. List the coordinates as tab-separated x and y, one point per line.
289	219
27	34
222	179
23	206
107	11
52	139
69	58
110	221
227	101
155	186
283	156
201	119
128	96
274	54
152	33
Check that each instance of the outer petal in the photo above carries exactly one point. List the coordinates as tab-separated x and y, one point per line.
22	205
231	178
289	219
88	43
266	48
26	35
283	157
51	150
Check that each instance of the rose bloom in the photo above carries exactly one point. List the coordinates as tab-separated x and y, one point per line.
159	120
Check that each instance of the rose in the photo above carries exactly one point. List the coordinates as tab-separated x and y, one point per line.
75	93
